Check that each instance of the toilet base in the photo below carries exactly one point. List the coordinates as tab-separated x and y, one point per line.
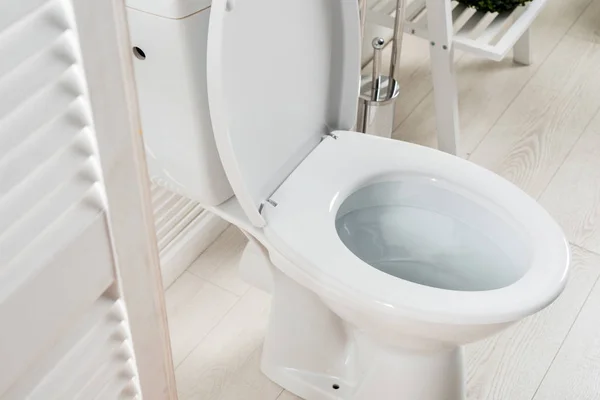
410	377
314	354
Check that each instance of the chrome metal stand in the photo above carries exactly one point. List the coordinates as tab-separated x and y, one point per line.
379	92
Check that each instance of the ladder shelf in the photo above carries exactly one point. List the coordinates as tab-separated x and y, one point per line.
487	35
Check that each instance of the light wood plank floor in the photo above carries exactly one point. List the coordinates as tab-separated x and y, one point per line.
538	126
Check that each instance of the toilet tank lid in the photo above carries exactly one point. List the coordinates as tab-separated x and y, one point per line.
281	74
169	8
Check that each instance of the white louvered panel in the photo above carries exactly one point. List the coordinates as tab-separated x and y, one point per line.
27	79
63	331
33	30
81	373
77	335
94	357
36	312
119	386
48	162
172	214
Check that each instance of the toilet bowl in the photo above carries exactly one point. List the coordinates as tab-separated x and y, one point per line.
384	258
417	232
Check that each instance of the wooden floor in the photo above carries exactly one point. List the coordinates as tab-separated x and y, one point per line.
538	126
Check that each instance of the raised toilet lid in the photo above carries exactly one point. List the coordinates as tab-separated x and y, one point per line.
281	74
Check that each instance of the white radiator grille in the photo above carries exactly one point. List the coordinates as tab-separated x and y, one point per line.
63	328
183	230
172	214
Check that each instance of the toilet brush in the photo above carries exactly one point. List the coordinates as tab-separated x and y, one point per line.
378	91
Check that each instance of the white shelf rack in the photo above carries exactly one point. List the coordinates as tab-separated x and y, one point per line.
489	35
447	26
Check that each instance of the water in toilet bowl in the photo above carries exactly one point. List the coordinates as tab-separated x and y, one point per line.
427	232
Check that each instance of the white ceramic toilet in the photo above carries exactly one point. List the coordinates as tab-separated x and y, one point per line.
384	257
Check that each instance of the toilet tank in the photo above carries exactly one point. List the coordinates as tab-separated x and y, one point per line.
168	41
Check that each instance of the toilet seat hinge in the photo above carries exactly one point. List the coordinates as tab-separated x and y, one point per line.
270	202
331	134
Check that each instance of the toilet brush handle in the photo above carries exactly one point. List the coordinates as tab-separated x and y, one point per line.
396	46
362	5
378	44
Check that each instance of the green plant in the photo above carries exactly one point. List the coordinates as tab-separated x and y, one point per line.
494	5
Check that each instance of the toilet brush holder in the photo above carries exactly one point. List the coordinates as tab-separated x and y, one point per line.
378	93
376	113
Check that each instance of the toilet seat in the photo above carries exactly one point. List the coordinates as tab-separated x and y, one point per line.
302	228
